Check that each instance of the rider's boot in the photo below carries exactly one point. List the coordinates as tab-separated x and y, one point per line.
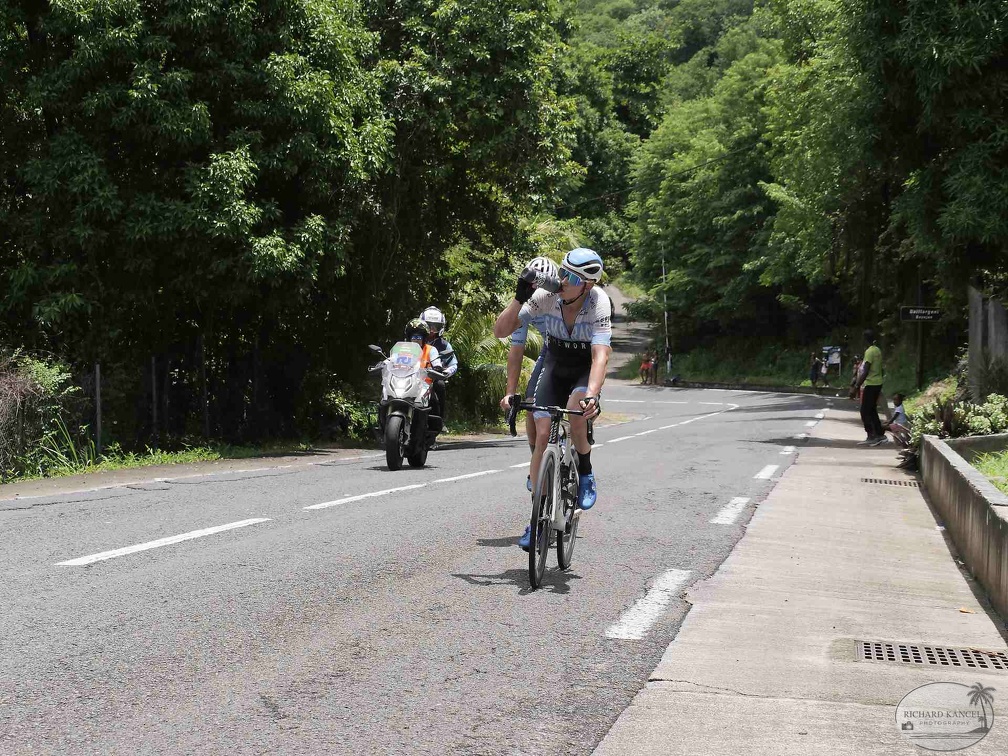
526	540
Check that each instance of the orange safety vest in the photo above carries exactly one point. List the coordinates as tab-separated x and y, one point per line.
425	360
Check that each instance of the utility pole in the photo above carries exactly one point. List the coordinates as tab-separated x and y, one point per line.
668	354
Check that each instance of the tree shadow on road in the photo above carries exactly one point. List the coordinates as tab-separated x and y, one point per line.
554	581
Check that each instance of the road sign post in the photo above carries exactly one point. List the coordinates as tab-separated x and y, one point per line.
920	316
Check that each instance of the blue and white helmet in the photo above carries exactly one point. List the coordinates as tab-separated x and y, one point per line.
583	262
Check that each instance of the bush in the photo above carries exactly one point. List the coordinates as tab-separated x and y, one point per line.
948	418
39	406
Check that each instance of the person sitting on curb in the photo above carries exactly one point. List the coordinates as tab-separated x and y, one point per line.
898	424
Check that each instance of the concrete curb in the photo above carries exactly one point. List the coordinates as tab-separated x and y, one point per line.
975	515
831	393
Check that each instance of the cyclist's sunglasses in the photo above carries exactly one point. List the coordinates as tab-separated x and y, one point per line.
573	278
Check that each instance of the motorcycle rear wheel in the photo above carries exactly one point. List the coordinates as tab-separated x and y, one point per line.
419	459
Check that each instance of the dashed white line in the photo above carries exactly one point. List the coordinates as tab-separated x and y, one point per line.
638	619
788	450
766	473
91	559
644	433
520	464
667	402
463	477
730	511
718	404
358	497
626	401
617	440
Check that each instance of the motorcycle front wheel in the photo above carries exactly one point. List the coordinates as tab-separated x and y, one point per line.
394	442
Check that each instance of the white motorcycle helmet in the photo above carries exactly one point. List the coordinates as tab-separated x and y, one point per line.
435	320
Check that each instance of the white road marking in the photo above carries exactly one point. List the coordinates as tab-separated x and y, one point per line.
766	473
617	440
820	416
520	464
719	404
811	423
644	433
80	561
802	436
463	477
788	450
638	619
626	401
730	511
358	497
666	427
666	402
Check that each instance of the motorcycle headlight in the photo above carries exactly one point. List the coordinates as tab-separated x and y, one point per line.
401	384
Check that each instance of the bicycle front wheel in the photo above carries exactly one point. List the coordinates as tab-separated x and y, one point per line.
541	522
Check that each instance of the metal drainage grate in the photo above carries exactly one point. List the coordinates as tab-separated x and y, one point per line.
889	482
940	656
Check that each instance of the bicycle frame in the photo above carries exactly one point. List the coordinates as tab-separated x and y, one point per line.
563	514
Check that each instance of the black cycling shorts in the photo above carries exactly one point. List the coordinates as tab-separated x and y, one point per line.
554	381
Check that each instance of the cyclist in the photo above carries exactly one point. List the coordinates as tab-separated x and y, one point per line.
435	320
576	324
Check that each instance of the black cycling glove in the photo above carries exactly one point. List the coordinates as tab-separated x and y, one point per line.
526	285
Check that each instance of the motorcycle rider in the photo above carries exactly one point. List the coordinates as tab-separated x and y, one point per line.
416	331
435	320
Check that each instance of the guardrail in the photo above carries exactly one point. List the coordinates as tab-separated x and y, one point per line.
974	511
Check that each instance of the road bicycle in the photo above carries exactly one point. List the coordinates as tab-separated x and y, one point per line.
555	494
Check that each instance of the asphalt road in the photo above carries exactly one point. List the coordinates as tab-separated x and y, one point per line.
395	623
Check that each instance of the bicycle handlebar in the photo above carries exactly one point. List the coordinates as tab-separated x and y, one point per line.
516	407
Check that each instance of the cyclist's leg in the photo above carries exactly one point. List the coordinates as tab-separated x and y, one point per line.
579	433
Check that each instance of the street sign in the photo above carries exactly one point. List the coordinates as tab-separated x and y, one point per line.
832	355
920	314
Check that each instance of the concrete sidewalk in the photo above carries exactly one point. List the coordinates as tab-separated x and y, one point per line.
765	662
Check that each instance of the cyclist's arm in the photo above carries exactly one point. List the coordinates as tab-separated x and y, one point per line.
516	354
508	322
600	359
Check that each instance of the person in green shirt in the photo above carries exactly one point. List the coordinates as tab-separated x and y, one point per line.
871	381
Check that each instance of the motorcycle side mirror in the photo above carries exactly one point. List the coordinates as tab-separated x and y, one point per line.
376	349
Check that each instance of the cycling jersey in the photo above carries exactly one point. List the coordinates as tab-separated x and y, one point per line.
593	324
564	366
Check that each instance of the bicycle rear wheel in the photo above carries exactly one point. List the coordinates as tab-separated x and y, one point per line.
565	540
540	523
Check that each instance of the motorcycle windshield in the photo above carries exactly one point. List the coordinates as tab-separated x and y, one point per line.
404	359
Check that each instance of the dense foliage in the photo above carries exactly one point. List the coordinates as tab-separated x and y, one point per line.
224	202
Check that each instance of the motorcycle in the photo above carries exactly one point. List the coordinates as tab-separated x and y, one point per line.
405	418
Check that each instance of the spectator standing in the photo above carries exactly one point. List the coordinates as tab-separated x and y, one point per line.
813	373
645	368
853	393
654	367
870	377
